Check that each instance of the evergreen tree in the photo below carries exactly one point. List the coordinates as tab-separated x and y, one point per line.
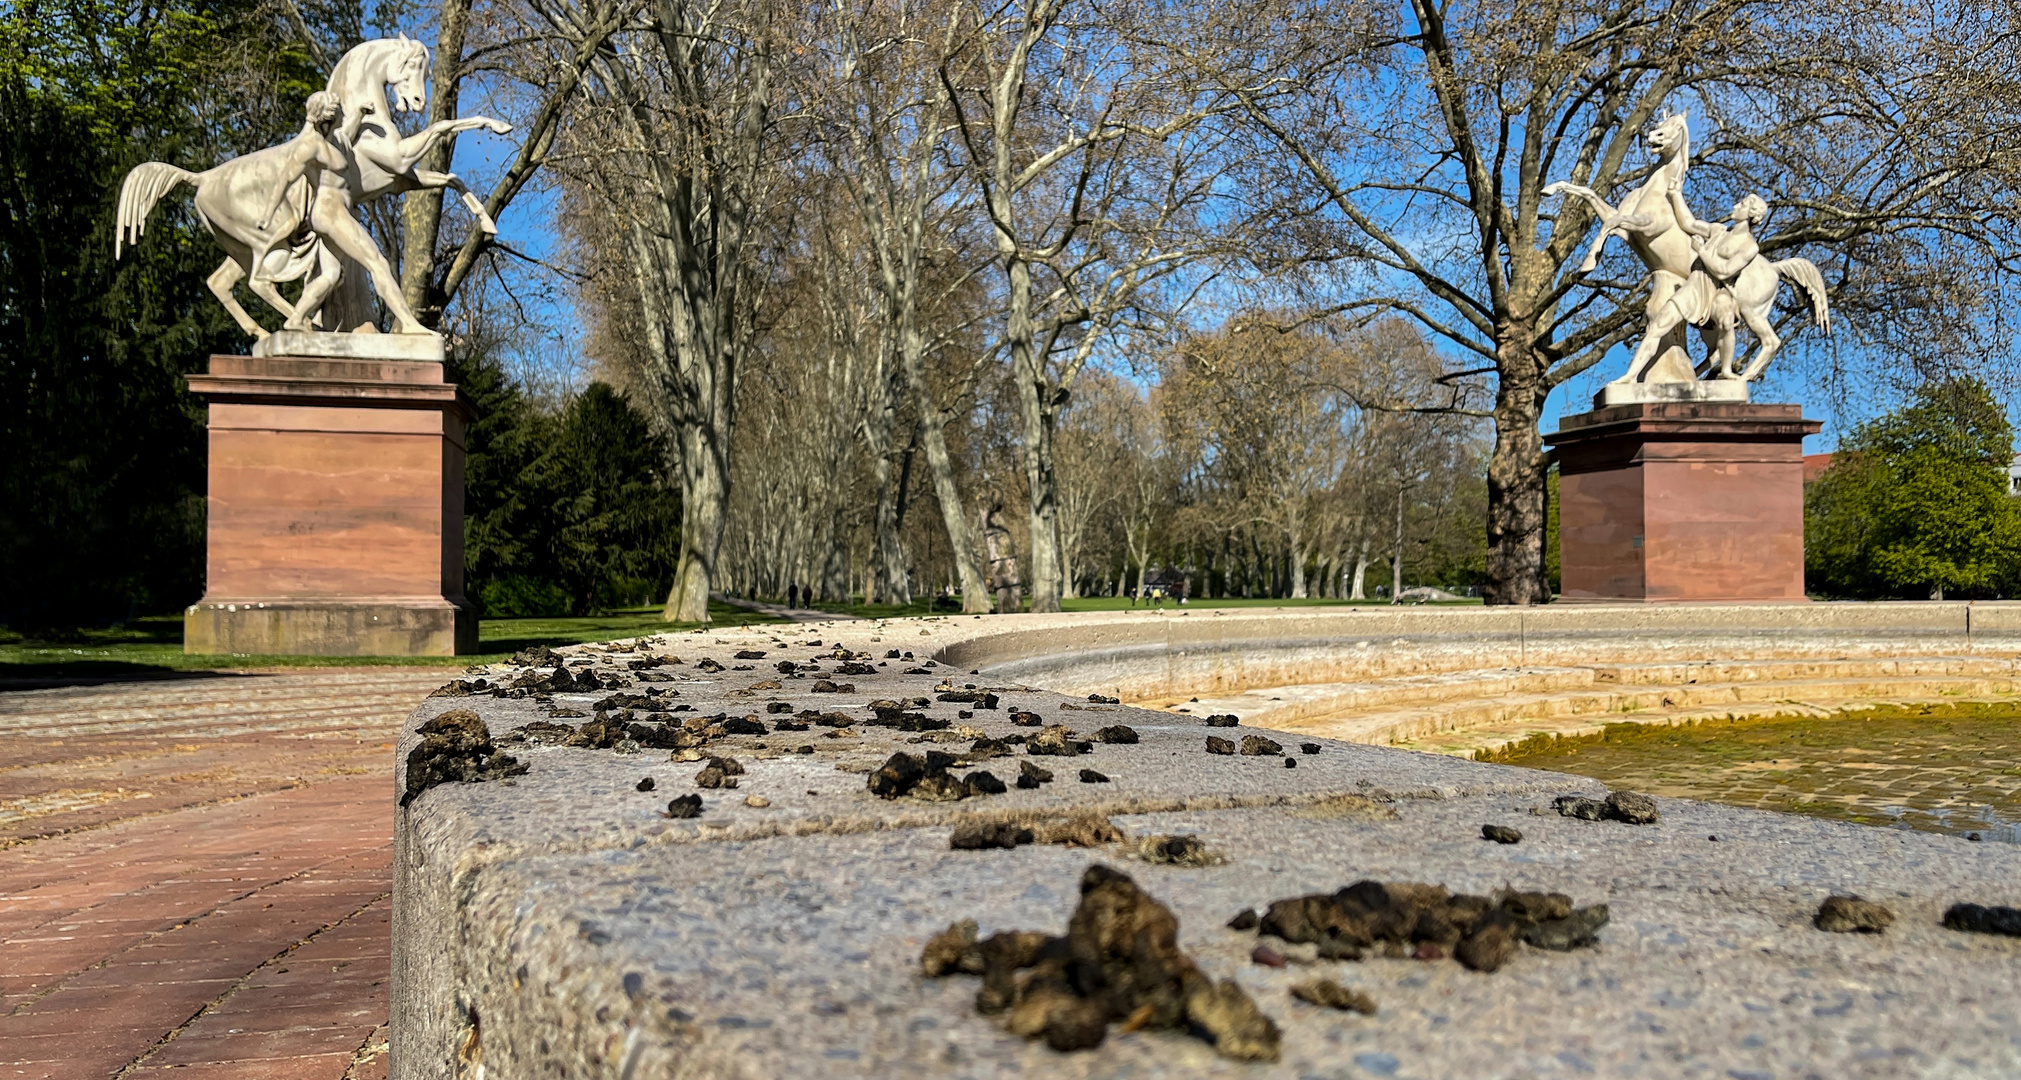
101	445
618	515
566	512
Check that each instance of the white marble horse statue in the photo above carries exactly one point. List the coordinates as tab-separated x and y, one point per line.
233	199
1646	221
230	200
1703	274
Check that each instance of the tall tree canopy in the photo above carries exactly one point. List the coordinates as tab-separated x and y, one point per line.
1916	502
102	472
1408	148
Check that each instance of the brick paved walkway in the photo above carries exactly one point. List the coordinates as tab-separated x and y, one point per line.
194	875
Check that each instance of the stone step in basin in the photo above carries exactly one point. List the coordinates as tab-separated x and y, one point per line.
1280	705
1738	699
1467	742
1362	714
557	923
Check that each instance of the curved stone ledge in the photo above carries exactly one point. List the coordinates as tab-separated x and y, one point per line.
557	924
1147	655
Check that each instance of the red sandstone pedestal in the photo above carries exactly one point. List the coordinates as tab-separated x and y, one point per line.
336	509
1682	501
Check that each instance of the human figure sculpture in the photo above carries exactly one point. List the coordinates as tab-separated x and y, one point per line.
1745	283
257	205
320	156
302	158
1705	300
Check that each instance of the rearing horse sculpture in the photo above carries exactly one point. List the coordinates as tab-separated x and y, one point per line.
231	198
386	160
1645	220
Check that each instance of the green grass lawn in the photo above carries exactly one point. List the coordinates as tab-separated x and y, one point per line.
1122	603
1106	603
155	645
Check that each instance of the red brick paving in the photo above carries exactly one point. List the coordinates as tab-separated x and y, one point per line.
194	876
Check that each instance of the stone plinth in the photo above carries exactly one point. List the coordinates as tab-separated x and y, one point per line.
1721	390
1682	501
335	510
322	345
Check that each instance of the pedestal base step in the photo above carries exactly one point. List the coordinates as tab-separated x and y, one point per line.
316	343
1697	390
365	626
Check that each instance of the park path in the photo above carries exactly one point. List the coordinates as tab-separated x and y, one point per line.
195	875
790	614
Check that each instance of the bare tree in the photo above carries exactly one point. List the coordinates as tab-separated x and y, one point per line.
886	127
1094	459
530	55
1268	404
797	490
1084	151
1417	144
678	153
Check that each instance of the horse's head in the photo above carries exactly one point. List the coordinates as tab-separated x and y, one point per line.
408	75
1668	135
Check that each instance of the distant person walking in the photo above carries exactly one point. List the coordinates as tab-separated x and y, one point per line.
793	595
1003	561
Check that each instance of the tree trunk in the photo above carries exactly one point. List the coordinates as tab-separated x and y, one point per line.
835	573
705	498
1142	554
889	578
1035	410
1070	584
1296	557
1396	553
1517	471
1360	589
974	592
422	209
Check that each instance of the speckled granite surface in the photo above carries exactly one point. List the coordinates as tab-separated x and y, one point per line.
557	924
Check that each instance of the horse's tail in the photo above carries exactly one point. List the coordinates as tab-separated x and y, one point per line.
1803	274
144	186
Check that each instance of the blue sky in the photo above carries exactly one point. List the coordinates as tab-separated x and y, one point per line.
1803	373
1795	376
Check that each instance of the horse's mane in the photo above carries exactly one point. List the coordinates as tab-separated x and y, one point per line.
353	64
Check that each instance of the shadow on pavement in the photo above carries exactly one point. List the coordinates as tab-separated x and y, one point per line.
96	673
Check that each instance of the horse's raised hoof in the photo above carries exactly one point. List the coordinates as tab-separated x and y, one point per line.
500	127
1553	189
